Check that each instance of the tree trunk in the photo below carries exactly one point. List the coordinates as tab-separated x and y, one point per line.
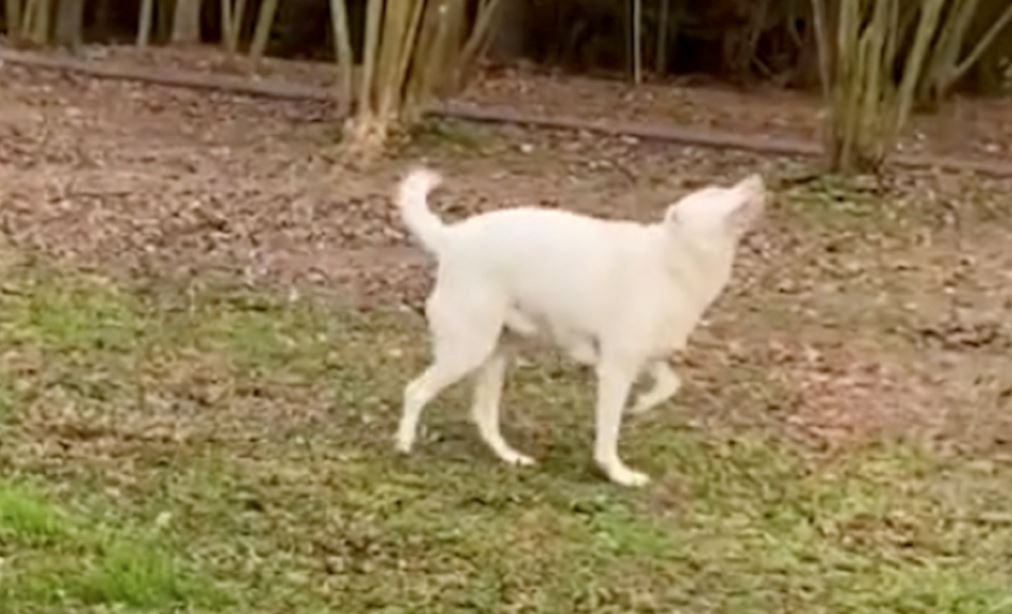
186	23
144	22
69	20
262	32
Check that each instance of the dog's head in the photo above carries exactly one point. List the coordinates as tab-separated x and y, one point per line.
718	216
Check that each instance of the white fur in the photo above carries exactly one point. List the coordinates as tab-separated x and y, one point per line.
620	296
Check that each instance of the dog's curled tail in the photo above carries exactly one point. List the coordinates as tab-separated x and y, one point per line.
412	199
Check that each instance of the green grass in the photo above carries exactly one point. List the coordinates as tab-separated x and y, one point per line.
230	452
55	560
456	136
27	520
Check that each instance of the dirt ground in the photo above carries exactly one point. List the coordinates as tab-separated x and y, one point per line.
255	427
971	128
213	188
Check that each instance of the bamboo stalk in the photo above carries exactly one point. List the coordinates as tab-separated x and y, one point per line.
845	107
186	22
661	54
399	33
226	23
926	28
235	32
822	45
342	42
476	46
985	41
374	15
387	52
407	48
449	57
876	83
637	40
144	22
479	38
163	20
231	23
40	22
424	48
262	31
13	14
69	22
414	50
944	54
28	18
430	54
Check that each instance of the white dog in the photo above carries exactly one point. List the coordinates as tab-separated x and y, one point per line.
620	296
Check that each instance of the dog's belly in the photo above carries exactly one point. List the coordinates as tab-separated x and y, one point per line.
581	347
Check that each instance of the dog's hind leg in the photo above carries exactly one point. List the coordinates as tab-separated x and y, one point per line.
465	333
614	380
439	376
488	385
666	384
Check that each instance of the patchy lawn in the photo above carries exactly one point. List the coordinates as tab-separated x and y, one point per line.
206	324
225	450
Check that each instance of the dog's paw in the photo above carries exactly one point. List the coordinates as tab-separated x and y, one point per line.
634	479
403	445
512	457
625	476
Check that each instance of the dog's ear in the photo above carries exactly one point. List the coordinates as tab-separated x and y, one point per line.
751	193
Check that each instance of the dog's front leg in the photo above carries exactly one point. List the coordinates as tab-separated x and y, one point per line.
613	384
